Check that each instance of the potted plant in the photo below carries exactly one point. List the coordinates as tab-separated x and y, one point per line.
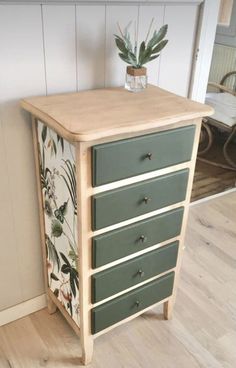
137	57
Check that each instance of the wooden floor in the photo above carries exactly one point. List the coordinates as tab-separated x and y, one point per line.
202	333
209	179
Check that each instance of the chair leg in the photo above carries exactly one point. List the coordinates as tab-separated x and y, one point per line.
225	148
205	133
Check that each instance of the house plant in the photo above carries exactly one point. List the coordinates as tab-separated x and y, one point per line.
136	57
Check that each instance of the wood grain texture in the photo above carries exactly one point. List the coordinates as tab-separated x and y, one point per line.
200	335
210	180
102	113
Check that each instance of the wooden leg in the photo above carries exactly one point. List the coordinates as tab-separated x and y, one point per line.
87	349
168	309
52	308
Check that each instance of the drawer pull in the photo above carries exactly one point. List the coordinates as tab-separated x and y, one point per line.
149	155
142	238
137	303
146	200
141	273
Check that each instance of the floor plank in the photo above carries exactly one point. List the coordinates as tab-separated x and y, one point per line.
209	179
202	333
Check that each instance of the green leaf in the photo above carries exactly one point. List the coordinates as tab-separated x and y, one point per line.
47	207
132	58
153	57
146	55
74	283
54	147
125	58
52	252
61	141
61	212
157	37
64	258
69	305
56	228
141	52
121	46
44	133
56	292
159	47
65	269
54	277
70	182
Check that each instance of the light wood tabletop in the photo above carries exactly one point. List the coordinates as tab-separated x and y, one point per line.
95	114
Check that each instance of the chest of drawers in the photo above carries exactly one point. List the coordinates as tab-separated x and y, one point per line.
114	173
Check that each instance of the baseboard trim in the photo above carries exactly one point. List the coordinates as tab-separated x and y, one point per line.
206	199
23	309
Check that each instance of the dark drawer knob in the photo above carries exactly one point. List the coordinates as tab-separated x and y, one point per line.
146	200
149	155
142	238
141	273
137	303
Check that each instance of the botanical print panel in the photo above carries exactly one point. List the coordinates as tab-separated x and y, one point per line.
58	183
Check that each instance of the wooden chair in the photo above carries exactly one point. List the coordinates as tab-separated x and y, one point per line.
210	125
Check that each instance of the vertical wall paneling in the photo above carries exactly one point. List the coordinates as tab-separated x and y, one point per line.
146	13
207	23
60	48
21	74
176	60
90	21
64	48
9	281
115	67
22	69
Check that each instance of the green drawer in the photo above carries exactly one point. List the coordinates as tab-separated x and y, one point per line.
132	302
125	275
122	242
137	199
130	157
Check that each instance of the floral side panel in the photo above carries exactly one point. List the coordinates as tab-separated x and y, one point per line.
58	183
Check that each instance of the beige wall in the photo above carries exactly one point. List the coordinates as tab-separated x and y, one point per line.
51	49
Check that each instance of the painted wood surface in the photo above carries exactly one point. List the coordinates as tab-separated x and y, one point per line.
201	334
43	51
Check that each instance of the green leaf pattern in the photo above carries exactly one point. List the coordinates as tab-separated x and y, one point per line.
58	183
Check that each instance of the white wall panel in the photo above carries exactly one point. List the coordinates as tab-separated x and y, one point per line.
115	68
176	59
90	46
21	74
21	66
146	13
64	47
60	48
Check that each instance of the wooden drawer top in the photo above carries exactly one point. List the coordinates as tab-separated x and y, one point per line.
96	114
